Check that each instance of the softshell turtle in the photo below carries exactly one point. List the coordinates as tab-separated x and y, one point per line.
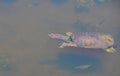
86	40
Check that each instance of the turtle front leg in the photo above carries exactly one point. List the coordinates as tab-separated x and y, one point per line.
68	44
63	45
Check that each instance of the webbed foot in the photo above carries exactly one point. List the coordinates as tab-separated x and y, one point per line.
62	45
110	50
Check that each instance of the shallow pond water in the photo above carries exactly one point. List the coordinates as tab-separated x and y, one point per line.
26	49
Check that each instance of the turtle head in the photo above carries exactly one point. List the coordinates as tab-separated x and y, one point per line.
59	37
53	35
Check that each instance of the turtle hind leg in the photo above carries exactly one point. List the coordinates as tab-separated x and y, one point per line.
110	50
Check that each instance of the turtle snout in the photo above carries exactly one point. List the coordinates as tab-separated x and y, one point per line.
51	35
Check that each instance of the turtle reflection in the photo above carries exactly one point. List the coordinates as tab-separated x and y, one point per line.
79	63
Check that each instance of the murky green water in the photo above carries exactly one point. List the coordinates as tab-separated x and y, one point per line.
26	49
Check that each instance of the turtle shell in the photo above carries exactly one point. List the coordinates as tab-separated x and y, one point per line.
92	40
